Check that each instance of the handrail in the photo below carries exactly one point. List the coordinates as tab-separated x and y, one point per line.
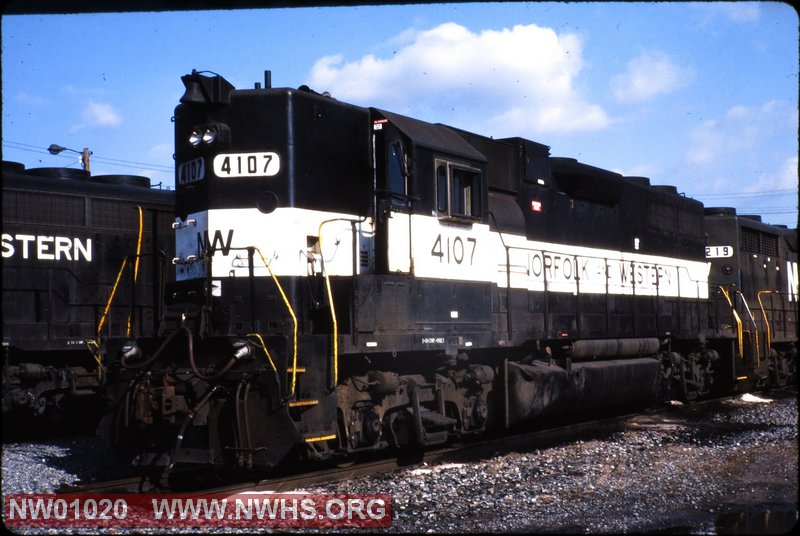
263	347
94	348
740	349
766	319
329	291
294	320
138	253
111	296
755	327
331	305
138	243
94	344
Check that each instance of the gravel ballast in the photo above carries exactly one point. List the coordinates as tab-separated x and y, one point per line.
729	463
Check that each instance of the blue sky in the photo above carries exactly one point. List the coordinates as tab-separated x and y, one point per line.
703	96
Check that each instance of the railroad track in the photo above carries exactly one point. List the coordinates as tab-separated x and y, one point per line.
456	452
662	417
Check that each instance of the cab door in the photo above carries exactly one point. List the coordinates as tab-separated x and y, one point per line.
393	166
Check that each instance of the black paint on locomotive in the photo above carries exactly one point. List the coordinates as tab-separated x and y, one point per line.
350	279
65	236
754	283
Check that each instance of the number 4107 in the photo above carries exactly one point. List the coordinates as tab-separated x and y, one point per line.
250	164
265	164
453	249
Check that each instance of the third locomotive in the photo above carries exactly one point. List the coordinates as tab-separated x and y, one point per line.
349	279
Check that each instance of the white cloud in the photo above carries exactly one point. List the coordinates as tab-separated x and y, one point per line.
707	142
782	178
162	151
517	80
72	89
31	100
649	75
98	114
748	150
739	12
741	134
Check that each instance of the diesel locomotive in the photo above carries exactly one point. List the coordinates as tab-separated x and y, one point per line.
349	279
74	247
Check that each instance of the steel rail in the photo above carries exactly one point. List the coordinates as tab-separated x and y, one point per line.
661	416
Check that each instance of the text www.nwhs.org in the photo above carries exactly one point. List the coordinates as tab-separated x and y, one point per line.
216	510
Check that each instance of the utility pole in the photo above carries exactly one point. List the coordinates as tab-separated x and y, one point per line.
85	160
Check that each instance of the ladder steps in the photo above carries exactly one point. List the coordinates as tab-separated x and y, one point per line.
315	438
301	403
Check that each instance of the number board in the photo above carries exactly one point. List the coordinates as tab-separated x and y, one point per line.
247	165
719	252
191	171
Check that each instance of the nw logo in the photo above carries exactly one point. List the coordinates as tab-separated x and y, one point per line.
217	244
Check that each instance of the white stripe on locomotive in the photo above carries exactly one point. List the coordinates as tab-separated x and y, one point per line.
439	250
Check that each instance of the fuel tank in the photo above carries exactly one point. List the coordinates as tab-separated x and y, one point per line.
542	389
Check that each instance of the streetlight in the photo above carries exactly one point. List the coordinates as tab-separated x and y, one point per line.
55	149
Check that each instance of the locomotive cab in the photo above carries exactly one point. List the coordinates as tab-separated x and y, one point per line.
428	177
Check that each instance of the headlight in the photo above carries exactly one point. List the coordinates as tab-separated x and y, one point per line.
209	136
196	138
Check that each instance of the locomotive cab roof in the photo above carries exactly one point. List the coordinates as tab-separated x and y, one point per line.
436	137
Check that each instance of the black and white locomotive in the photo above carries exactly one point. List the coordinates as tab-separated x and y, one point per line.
74	247
349	279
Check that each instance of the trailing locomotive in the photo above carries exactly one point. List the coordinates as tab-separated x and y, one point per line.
74	247
349	279
754	281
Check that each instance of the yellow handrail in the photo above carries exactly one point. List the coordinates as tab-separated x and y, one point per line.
94	348
740	349
294	320
264	347
138	243
111	296
766	320
755	327
94	344
138	253
333	309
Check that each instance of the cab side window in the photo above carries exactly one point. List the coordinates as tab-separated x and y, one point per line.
458	191
396	173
